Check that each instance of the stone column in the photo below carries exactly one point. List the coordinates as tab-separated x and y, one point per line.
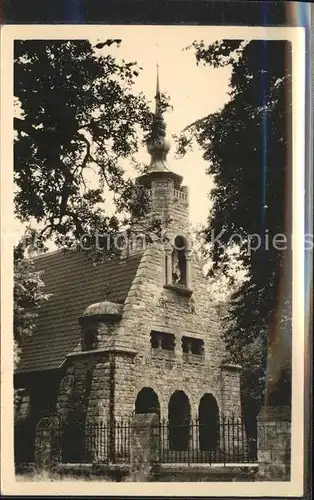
145	442
230	389
274	443
188	269
233	435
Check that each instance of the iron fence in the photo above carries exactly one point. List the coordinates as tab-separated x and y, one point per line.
224	441
95	442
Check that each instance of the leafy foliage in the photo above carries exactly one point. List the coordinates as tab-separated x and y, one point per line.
28	297
247	146
79	118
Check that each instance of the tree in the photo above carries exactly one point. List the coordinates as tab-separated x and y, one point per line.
78	116
28	297
247	145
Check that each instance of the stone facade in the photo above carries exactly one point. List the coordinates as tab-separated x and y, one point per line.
161	351
125	360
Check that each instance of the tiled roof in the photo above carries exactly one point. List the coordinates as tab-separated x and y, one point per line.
75	283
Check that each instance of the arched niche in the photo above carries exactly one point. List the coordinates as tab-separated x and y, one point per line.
208	414
178	263
179	416
147	401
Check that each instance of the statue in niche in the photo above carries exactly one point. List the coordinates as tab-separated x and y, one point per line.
179	263
176	271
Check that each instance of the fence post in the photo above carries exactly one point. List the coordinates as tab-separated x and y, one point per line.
145	443
46	451
223	435
112	438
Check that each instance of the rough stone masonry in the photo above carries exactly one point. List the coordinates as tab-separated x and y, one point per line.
154	345
166	338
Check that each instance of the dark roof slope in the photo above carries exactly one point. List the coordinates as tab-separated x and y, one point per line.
75	283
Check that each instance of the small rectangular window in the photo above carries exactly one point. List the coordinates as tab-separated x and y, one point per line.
191	345
162	340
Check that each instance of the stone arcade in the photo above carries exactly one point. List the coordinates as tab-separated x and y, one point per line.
138	333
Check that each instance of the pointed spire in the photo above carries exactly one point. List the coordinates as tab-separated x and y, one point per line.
158	146
157	96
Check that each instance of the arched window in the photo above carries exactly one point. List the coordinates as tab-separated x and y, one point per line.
147	401
179	416
208	423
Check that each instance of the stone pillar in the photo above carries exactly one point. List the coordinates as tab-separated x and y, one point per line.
274	443
168	273
47	450
230	390
188	269
123	388
145	443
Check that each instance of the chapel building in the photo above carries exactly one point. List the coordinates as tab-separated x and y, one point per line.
137	333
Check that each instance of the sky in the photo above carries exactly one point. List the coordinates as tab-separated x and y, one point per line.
194	91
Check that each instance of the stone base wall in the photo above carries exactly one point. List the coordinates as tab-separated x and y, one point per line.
196	473
175	473
274	444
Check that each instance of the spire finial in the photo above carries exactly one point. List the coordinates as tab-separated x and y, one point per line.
157	96
158	146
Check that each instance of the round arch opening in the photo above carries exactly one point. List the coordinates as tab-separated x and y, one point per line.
208	423
179	416
147	401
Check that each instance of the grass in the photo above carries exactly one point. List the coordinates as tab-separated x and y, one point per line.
46	476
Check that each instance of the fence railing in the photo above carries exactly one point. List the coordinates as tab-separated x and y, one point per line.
192	441
224	442
180	195
95	442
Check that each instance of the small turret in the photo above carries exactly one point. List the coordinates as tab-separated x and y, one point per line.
168	197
